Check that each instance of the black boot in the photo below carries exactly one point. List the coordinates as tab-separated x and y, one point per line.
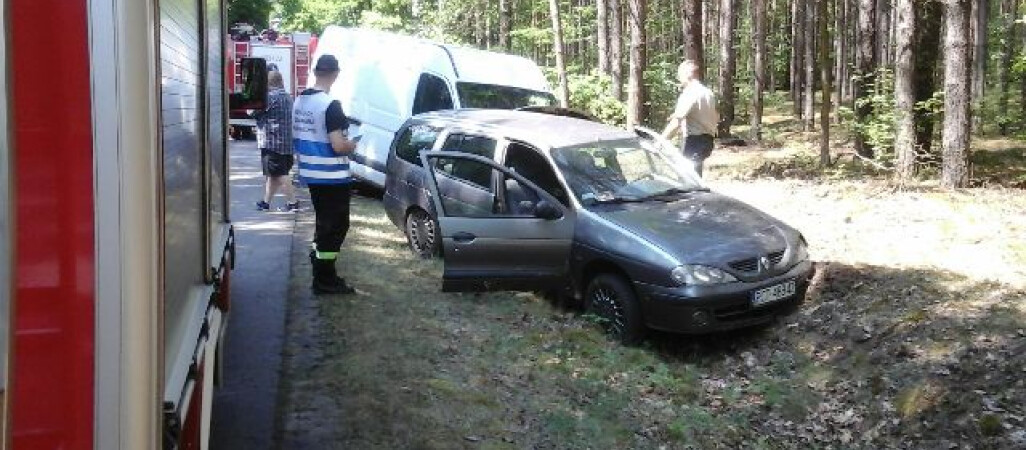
325	281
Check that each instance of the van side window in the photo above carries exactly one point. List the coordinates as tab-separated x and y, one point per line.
465	169
432	95
415	139
530	164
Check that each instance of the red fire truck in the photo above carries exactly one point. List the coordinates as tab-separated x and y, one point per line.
116	246
290	55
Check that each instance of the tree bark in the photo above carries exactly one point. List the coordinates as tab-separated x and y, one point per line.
759	69
602	30
865	65
955	169
840	52
904	91
824	72
694	48
616	47
979	24
797	55
728	65
1009	9
504	20
927	50
809	91
635	83
883	32
557	34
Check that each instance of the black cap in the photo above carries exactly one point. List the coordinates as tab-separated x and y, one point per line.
326	63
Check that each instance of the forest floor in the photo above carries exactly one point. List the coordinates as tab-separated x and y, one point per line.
913	335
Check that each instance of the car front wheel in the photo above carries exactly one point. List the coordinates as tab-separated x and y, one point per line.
611	299
422	234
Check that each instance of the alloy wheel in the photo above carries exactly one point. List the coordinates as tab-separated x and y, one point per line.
422	233
607	306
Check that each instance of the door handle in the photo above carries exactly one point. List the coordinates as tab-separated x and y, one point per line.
463	237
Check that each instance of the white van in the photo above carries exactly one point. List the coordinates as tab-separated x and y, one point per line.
386	78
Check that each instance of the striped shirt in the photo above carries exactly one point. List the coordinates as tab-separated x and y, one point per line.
274	124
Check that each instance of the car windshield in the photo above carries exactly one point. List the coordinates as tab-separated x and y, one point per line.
624	171
491	96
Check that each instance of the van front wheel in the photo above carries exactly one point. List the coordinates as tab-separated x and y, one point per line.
422	234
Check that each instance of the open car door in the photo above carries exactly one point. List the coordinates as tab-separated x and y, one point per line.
518	240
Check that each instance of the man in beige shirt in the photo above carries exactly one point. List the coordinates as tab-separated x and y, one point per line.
695	116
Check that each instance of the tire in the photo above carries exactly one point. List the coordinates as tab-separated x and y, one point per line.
422	234
611	298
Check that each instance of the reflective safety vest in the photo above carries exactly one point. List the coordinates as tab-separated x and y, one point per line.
318	162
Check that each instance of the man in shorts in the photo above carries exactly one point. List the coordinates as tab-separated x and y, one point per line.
695	116
274	138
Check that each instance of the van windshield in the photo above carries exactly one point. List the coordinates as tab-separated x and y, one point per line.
491	96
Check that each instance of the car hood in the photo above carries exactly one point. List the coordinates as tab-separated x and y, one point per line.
703	228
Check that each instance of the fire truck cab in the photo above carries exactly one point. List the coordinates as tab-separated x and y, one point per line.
116	246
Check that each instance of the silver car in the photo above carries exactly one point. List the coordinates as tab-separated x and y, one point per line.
526	201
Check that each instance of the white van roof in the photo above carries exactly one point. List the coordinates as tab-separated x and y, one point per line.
462	63
480	66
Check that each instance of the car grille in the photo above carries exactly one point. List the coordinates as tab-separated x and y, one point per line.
752	264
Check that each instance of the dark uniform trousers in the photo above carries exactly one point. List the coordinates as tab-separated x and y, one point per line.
331	211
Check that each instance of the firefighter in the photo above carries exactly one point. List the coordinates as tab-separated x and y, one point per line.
319	135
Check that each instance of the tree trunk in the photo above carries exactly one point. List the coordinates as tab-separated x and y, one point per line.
694	49
955	170
616	47
981	14
927	50
636	84
1008	13
479	23
809	91
840	49
797	55
883	32
557	34
602	29
904	91
865	66
728	65
759	76
504	20
824	73
773	44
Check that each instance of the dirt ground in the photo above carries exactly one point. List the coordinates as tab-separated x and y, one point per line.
913	335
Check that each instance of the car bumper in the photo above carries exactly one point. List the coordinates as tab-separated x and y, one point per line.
706	309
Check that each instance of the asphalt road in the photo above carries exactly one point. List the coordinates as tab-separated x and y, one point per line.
244	414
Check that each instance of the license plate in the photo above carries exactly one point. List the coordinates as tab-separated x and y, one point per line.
773	293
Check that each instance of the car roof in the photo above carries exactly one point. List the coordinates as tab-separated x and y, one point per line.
531	127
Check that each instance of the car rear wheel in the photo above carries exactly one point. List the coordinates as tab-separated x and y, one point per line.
422	234
611	299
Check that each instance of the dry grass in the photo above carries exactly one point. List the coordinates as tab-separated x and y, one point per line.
914	335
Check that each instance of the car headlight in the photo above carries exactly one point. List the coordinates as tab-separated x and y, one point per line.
802	252
700	275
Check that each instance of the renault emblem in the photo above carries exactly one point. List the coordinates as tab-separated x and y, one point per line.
764	264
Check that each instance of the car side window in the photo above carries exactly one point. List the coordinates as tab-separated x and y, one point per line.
477	173
463	198
432	95
530	164
415	139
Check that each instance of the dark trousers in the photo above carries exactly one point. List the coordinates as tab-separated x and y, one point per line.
331	208
698	147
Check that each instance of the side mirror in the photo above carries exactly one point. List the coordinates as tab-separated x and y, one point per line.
545	210
254	86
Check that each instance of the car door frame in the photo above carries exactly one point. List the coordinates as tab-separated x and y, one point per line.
469	240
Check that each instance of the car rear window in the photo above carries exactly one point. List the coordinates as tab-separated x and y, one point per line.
415	139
